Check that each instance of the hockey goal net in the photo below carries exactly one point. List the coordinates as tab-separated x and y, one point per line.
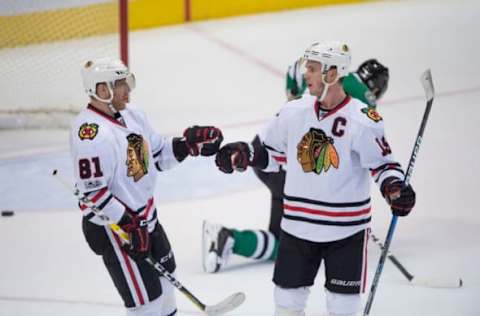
43	45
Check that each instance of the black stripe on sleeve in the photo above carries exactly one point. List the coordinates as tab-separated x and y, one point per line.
101	206
379	175
88	193
329	223
90	215
156	154
396	164
153	217
273	149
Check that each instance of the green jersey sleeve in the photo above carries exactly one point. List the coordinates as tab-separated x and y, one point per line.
354	86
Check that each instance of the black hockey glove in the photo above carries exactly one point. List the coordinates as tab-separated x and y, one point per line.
203	140
233	156
401	198
137	229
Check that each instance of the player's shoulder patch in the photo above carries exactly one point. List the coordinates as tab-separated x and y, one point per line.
371	113
88	131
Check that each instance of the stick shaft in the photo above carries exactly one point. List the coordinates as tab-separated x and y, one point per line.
394	260
426	80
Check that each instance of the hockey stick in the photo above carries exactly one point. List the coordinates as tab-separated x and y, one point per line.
414	280
426	80
223	307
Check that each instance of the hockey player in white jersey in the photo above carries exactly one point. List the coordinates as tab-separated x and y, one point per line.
116	156
332	144
368	84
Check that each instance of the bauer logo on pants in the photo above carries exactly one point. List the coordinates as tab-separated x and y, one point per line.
315	152
345	283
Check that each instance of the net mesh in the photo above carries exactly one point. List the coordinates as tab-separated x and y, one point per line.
42	51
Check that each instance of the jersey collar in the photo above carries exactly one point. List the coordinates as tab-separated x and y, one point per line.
332	111
104	115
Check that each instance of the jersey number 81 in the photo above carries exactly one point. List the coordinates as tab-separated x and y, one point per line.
85	168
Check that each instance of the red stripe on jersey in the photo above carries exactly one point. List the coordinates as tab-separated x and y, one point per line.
280	158
95	198
130	269
149	207
326	213
98	195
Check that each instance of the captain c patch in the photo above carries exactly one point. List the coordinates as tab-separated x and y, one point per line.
88	131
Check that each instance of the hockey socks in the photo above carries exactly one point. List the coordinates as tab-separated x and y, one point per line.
256	244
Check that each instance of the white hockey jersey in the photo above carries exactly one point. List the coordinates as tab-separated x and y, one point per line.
330	161
116	165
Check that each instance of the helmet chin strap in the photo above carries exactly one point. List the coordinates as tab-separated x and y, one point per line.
116	113
113	109
326	85
324	92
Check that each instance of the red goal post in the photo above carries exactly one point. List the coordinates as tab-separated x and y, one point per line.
43	45
123	27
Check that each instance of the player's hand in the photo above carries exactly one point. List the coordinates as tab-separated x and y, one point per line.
233	156
137	229
401	198
203	140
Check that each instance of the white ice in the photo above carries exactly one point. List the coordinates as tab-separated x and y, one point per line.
230	73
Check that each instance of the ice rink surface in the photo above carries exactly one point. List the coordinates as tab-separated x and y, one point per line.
230	73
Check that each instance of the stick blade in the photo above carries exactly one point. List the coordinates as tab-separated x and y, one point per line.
225	306
427	83
438	283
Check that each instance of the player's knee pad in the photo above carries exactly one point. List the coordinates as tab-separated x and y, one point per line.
290	302
339	304
169	305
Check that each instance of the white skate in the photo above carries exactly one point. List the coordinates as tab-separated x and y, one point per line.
217	246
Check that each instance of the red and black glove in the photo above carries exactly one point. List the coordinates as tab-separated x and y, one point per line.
234	156
137	229
401	198
202	140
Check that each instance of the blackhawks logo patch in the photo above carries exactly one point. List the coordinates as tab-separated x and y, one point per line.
372	114
88	131
316	152
137	157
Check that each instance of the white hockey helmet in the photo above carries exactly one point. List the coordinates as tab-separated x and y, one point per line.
105	70
330	54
